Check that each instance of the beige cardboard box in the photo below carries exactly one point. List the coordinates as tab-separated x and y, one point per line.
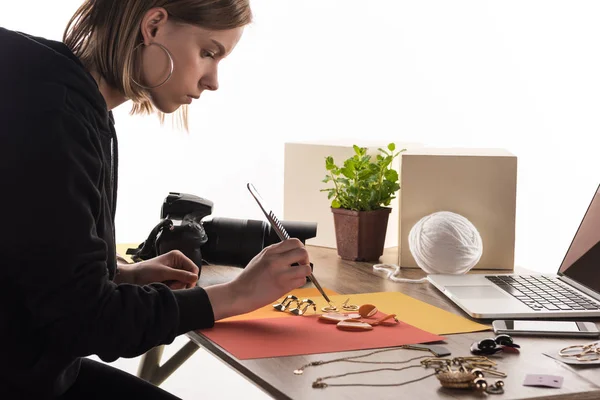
479	184
304	170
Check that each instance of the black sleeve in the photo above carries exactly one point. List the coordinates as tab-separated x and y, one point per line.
52	254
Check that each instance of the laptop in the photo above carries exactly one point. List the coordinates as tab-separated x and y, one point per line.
574	291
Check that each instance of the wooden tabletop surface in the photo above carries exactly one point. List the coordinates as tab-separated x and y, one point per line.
276	377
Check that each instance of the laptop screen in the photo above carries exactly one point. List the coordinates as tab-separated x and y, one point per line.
582	261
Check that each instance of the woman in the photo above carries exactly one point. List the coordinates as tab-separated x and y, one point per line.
64	296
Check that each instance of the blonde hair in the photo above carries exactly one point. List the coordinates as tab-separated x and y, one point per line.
104	33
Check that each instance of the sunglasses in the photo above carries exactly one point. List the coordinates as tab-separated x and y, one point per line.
494	345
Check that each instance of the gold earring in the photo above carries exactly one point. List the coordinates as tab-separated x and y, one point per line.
349	307
308	303
285	303
171	66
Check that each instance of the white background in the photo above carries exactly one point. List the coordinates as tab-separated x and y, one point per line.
521	75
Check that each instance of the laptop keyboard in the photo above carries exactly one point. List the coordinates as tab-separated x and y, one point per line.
542	293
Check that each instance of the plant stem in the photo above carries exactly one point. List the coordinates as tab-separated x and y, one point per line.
358	188
380	185
337	191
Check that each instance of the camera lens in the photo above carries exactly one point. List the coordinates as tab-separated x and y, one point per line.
233	241
296	229
236	241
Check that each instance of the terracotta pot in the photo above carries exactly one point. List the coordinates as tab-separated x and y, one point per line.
360	235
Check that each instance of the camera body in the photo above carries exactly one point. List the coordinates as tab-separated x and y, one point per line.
187	225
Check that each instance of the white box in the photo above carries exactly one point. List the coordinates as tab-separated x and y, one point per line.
479	184
304	170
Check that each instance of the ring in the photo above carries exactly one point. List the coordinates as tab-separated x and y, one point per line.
582	350
593	356
328	309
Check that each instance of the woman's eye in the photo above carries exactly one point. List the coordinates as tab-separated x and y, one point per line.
206	53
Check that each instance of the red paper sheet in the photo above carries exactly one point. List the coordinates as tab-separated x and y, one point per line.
279	337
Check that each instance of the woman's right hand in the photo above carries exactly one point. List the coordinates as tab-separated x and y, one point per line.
266	278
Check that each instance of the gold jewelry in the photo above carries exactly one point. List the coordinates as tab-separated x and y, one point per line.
465	376
307	303
319	384
329	308
171	66
587	352
349	307
285	303
354	359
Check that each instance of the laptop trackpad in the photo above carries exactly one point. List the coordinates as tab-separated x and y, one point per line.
476	292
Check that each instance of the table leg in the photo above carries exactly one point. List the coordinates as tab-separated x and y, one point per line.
150	369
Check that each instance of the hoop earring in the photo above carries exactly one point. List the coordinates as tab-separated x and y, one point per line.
171	67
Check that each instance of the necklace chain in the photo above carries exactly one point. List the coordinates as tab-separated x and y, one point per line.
353	359
437	363
320	384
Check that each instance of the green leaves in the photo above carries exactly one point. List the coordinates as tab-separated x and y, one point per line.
363	184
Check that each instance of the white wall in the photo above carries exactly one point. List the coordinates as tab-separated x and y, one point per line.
522	75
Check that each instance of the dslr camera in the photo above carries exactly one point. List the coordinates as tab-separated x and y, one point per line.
187	225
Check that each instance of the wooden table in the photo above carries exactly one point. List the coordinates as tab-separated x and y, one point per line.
275	375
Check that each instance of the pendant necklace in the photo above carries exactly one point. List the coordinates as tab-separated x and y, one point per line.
320	384
355	359
468	372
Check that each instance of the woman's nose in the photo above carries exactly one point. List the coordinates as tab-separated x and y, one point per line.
210	81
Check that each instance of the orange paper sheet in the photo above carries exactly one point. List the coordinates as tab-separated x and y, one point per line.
279	337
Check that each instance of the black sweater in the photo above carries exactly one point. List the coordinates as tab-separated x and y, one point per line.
58	169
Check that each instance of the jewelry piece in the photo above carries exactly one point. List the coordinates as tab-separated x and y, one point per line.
335	317
308	303
468	380
355	359
582	352
171	66
496	388
285	303
367	310
319	384
464	376
352	322
329	308
354	325
349	307
383	319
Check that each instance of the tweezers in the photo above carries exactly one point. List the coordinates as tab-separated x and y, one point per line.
281	232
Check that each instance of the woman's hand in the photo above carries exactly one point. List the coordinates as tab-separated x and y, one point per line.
173	269
266	278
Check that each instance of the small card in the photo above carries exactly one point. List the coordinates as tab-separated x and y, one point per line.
551	381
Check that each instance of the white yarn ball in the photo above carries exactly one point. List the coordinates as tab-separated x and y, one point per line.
445	243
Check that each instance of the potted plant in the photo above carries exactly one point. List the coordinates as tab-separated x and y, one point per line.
361	193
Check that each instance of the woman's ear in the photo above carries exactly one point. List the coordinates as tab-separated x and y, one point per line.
153	20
